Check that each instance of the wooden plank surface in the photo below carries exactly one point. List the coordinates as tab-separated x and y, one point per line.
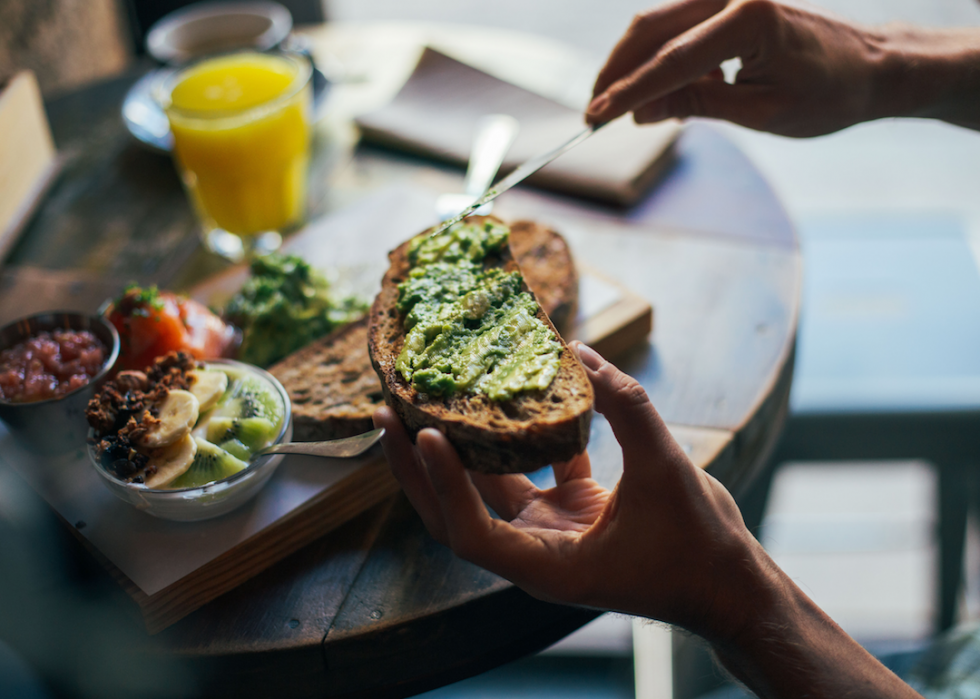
413	630
726	313
364	488
412	598
277	619
723	277
27	290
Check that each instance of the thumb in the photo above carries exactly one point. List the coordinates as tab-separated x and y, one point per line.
638	427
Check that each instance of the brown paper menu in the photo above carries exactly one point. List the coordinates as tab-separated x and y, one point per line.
28	160
436	112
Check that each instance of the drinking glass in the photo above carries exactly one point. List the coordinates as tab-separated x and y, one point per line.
241	127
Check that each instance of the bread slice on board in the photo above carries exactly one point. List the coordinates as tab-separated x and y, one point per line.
548	268
333	389
332	385
524	433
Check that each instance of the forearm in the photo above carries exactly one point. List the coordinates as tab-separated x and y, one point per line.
932	73
791	648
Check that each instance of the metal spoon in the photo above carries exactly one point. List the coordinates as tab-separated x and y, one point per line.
335	448
495	134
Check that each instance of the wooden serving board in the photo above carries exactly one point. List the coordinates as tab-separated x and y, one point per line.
170	569
367	486
611	318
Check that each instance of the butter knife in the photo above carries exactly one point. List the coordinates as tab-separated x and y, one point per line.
520	174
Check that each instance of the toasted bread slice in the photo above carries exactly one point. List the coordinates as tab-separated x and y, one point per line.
549	270
529	431
335	391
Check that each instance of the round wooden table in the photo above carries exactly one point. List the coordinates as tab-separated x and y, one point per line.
377	608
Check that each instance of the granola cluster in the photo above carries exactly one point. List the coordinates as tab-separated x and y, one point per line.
125	409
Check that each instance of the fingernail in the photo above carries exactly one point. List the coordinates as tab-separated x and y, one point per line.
423	445
588	356
598	104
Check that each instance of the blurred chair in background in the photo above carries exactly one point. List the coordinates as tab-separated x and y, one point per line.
886	370
887	364
68	43
65	42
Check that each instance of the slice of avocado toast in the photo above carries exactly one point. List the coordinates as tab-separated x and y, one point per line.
332	385
470	352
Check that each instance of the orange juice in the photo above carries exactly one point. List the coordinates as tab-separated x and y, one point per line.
241	126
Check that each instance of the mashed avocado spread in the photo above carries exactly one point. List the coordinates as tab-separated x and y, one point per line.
470	329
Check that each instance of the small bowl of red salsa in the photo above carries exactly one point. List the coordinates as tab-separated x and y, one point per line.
50	367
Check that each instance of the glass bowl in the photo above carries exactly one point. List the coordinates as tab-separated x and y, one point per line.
56	425
216	498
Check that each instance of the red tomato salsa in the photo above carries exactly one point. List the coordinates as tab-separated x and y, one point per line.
49	365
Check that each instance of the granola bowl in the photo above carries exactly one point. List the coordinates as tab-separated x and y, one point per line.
214	498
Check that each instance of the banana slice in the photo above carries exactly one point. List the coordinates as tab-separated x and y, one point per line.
177	416
171	462
207	386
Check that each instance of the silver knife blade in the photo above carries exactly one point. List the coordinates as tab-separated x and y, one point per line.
519	174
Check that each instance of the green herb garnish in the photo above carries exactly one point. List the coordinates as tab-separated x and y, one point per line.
135	295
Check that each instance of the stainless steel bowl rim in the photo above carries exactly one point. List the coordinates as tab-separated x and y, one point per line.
107	365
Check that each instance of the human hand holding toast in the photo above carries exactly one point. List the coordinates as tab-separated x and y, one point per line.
804	71
667	543
651	547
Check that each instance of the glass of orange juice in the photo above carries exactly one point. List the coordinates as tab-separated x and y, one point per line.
241	127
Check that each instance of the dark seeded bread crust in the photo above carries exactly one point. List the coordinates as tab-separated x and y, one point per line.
520	435
331	385
546	263
335	391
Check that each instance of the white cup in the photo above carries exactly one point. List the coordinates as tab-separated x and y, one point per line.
216	27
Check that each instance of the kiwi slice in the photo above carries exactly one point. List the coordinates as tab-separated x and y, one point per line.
252	432
236	449
210	464
251	397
